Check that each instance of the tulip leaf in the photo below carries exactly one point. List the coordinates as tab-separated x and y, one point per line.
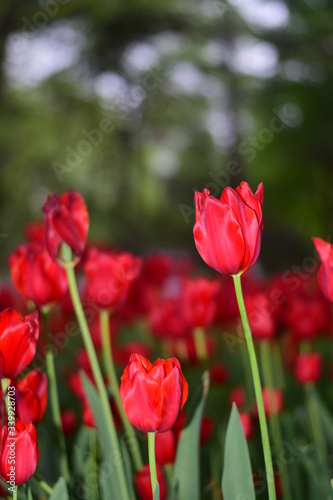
157	492
59	491
128	469
187	466
237	480
109	482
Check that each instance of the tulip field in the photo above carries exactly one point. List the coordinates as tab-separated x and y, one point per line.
146	377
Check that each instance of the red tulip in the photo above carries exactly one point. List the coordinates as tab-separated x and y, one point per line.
307	316
168	318
143	484
31	397
36	275
325	273
308	367
218	374
69	421
227	232
153	395
273	401
238	396
260	315
67	221
19	452
18	340
200	301
247	424
109	277
165	447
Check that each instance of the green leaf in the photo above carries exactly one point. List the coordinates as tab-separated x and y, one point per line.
109	479
60	490
28	493
187	466
128	469
157	492
237	481
324	414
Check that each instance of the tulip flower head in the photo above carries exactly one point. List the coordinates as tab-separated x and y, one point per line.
18	442
31	397
308	367
227	231
18	341
67	221
36	275
153	395
325	273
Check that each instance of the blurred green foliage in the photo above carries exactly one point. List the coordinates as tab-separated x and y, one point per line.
192	92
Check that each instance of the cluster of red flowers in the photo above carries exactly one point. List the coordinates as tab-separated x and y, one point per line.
159	296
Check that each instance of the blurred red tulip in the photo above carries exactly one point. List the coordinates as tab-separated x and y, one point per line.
307	315
273	401
237	395
260	315
36	275
308	367
67	221
69	421
143	484
109	277
153	395
218	374
165	447
200	301
31	397
19	443
247	425
18	340
227	232
325	273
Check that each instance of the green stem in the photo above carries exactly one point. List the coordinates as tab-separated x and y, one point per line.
113	383
267	365
313	412
247	373
257	389
15	493
278	365
200	343
112	435
4	386
47	488
55	406
152	460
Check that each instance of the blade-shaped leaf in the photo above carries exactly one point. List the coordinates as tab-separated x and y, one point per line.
237	481
157	493
187	466
59	491
109	478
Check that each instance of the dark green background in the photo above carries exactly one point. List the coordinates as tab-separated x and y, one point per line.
191	68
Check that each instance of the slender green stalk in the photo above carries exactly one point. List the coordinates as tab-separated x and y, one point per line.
152	460
278	365
55	406
288	420
257	389
15	493
247	372
46	487
267	364
200	343
314	417
112	435
4	386
113	382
